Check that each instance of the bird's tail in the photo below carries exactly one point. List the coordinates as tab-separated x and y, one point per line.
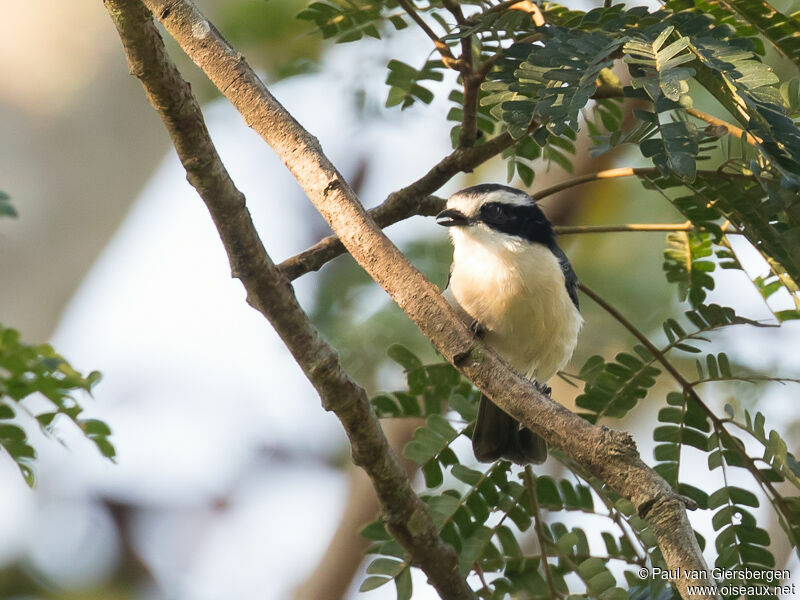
498	435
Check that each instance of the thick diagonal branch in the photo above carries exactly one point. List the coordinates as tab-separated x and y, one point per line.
407	517
610	455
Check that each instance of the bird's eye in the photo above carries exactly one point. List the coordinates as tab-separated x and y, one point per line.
491	211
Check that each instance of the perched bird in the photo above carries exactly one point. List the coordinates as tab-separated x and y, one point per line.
515	287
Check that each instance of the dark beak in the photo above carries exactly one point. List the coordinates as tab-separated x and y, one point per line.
451	218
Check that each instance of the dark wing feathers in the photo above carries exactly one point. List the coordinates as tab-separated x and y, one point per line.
570	279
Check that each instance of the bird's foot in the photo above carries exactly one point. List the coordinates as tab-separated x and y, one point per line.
477	329
544	389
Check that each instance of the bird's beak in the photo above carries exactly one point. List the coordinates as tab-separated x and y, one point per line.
451	218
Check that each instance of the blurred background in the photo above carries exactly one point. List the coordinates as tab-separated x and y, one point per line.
230	480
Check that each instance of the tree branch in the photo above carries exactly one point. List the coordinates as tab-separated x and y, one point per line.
578	229
530	486
732	129
269	292
609	455
616	91
470	81
624	172
450	61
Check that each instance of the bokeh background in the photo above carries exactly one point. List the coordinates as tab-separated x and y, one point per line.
231	481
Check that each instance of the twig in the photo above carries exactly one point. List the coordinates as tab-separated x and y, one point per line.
616	91
529	7
470	82
609	455
407	517
530	478
450	61
475	19
578	229
733	130
782	508
623	172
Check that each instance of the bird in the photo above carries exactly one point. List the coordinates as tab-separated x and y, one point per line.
515	288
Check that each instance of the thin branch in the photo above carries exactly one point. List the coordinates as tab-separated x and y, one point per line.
616	91
733	130
624	172
613	511
629	172
477	18
532	9
455	9
407	517
746	379
450	61
783	509
530	479
578	229
609	455
470	82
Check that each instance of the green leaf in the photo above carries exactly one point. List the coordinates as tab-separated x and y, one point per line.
386	566
404	357
404	79
371	583
375	531
6	208
685	263
403	584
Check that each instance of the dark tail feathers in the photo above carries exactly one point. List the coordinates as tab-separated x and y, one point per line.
498	435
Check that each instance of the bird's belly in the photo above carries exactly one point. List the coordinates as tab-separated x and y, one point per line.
529	318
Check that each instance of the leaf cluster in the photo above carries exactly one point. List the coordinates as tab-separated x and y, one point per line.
484	515
37	370
348	21
6	208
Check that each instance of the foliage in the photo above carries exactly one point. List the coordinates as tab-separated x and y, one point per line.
761	209
350	21
6	208
28	371
538	86
404	79
483	513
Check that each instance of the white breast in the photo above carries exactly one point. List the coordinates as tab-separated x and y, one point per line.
516	290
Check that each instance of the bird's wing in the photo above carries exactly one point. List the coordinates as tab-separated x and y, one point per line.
570	279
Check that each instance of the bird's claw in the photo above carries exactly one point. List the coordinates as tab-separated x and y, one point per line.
544	389
477	329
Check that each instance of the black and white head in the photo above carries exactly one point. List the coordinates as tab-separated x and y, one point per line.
492	212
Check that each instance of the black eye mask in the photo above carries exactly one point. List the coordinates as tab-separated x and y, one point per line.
525	221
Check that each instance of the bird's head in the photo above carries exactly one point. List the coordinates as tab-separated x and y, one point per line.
493	212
